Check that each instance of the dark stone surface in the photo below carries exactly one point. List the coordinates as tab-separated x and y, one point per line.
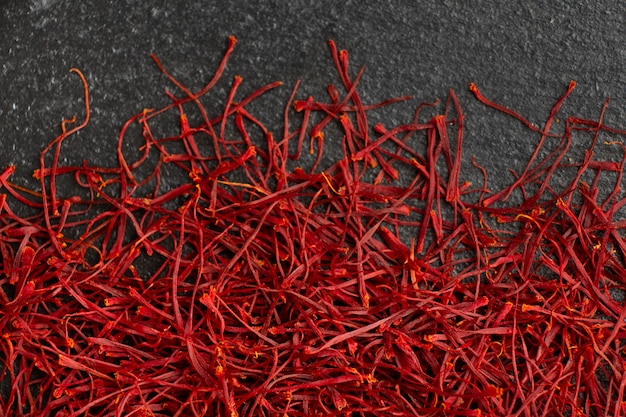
521	55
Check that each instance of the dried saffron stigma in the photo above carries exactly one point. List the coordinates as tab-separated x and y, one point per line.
220	270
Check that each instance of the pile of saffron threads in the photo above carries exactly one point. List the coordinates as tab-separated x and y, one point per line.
269	282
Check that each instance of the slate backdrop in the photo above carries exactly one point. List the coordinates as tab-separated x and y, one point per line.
522	55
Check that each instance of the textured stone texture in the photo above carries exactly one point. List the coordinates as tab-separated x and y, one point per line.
522	55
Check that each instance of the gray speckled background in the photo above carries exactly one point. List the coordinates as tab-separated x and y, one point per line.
522	55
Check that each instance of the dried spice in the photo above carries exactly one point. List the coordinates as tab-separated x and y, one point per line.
267	283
